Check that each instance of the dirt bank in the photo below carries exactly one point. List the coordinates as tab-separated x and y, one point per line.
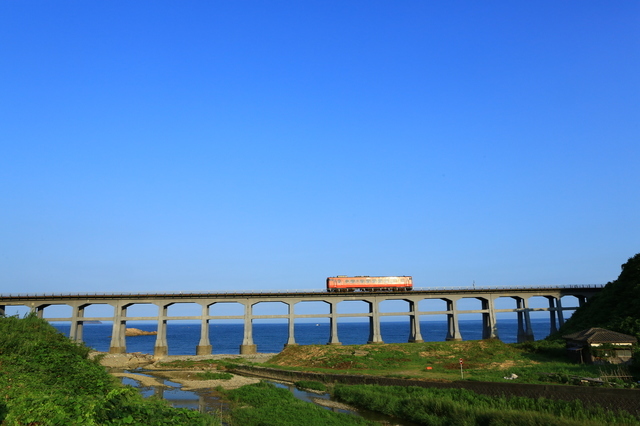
187	377
189	381
136	359
144	380
122	361
168	358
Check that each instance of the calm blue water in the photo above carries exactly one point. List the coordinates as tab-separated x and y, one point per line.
270	338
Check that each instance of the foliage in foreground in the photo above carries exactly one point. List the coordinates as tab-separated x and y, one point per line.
266	405
430	406
47	380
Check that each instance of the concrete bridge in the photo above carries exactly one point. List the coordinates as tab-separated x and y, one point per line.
487	297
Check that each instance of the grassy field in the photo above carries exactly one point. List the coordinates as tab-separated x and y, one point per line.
428	406
483	360
265	405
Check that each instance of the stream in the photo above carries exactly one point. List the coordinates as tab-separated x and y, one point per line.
208	400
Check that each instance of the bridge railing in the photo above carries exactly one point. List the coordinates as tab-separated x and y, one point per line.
300	291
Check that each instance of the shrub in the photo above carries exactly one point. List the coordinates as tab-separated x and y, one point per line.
209	375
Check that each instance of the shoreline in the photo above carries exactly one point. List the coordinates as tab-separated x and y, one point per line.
120	365
139	359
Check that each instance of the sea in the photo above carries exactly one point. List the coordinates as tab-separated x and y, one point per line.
182	338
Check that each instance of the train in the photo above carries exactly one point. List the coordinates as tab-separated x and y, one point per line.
343	283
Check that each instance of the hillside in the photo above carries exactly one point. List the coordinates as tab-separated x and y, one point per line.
46	379
616	308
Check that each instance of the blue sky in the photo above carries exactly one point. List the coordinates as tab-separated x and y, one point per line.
205	145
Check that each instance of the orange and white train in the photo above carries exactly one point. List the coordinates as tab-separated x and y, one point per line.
343	283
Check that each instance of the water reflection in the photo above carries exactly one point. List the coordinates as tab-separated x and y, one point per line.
313	398
203	400
208	401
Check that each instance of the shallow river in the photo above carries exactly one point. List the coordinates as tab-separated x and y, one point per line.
208	400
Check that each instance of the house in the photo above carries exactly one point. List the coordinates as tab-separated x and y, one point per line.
600	346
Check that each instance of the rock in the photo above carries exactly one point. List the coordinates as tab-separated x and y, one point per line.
127	360
138	332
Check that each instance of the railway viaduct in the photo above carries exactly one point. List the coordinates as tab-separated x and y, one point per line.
487	296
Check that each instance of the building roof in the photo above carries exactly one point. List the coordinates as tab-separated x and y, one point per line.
600	335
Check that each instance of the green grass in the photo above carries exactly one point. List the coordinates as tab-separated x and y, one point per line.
204	363
264	404
431	406
190	363
47	380
483	360
209	375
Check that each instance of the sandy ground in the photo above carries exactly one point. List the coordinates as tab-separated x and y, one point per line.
144	380
123	361
137	359
252	357
189	382
333	404
186	377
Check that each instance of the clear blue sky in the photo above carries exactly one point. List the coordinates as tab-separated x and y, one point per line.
206	145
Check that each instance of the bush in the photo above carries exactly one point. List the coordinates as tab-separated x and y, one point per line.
209	375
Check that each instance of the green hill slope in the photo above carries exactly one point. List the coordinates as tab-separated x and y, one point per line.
616	308
46	379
